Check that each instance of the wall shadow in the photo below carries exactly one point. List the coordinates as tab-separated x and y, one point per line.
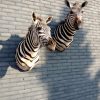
7	54
65	73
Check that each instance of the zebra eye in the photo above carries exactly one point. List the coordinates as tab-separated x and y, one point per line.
71	12
39	28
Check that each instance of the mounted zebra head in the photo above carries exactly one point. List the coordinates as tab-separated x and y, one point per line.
76	10
44	31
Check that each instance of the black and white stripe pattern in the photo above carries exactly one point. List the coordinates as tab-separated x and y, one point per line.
27	50
64	33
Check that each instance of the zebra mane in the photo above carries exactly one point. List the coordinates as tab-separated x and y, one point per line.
30	28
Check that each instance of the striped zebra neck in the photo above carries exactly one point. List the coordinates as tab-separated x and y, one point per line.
70	20
32	38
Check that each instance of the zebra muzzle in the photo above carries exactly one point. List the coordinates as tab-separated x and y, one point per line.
51	44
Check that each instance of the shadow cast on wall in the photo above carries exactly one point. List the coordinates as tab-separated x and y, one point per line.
7	54
65	73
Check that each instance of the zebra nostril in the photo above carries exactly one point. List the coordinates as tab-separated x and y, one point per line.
79	21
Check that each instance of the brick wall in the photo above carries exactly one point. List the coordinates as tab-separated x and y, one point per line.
70	75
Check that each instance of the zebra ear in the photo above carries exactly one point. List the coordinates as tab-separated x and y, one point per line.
84	4
67	3
49	19
34	16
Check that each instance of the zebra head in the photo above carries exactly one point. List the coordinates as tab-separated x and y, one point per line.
44	31
76	10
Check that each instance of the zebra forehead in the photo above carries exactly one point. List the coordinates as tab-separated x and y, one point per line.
40	19
43	25
76	5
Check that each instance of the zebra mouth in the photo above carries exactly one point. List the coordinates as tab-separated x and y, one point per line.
77	24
